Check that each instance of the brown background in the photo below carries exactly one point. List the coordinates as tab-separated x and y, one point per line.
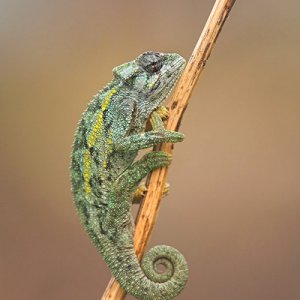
234	208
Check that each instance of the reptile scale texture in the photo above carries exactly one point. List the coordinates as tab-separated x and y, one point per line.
106	177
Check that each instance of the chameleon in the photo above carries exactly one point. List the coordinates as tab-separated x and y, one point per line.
106	176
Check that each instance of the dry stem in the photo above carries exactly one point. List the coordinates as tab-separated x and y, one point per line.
149	209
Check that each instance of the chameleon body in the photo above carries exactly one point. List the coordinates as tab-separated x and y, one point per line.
105	175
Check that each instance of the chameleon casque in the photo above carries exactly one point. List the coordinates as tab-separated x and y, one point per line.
105	175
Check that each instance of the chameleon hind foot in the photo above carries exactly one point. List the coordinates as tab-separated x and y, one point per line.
140	193
142	190
130	179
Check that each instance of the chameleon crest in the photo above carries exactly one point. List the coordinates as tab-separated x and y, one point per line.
105	175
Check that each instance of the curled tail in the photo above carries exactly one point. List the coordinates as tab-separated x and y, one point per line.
162	275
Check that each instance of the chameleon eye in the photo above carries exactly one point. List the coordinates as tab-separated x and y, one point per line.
151	61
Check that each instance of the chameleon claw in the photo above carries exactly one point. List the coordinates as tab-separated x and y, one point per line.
157	117
166	190
140	193
163	112
170	157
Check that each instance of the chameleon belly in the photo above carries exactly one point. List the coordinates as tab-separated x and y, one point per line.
105	176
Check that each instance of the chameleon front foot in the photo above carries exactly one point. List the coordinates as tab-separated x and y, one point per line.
157	118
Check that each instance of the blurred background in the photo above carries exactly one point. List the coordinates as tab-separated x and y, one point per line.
233	209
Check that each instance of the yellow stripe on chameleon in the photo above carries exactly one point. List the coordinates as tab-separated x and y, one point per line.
98	125
96	131
104	164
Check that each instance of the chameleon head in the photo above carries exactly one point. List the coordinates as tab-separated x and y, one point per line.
152	75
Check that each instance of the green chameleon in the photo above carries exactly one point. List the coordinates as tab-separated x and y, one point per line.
106	177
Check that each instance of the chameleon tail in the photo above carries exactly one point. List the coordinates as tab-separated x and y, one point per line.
147	281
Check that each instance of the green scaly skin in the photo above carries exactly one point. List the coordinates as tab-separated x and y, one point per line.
105	175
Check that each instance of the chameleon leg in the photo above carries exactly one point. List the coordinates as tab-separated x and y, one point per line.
138	170
148	139
156	121
122	191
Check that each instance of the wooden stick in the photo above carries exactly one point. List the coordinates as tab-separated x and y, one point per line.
149	209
